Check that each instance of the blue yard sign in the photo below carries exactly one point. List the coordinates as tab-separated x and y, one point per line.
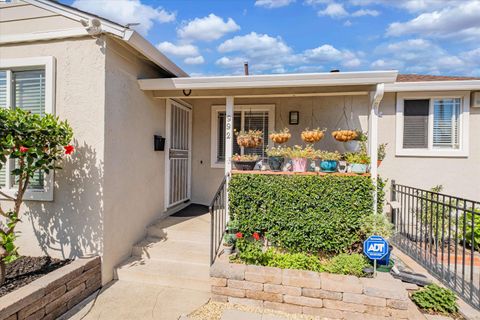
375	247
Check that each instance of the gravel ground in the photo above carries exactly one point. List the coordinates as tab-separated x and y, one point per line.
214	310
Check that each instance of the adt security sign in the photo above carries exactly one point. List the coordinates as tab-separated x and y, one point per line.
375	247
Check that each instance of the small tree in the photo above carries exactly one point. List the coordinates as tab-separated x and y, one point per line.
33	144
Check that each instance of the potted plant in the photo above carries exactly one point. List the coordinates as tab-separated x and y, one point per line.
245	162
381	153
350	138
229	242
329	161
280	136
250	138
312	136
358	162
300	157
276	158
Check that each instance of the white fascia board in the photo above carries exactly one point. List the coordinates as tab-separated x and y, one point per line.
44	35
142	45
457	85
271	81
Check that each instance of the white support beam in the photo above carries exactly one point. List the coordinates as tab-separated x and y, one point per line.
229	111
376	98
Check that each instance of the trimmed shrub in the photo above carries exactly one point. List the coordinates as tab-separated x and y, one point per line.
352	264
302	213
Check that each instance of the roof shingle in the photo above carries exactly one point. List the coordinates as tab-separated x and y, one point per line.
424	77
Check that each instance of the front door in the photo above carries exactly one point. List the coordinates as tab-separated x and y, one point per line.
178	153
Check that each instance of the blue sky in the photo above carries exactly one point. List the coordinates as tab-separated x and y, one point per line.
214	37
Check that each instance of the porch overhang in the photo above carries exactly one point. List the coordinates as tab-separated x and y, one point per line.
288	85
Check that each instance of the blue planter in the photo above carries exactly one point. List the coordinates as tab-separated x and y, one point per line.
328	165
386	260
359	167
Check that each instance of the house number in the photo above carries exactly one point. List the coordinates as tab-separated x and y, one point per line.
228	127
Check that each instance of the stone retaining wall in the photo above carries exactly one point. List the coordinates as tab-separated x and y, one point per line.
318	294
53	294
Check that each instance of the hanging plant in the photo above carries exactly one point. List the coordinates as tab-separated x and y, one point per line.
346	135
312	136
280	136
250	138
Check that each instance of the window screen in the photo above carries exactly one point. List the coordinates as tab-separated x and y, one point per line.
446	115
415	124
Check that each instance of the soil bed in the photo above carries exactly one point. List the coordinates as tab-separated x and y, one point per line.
26	269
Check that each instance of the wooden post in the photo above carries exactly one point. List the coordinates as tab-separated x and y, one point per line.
229	112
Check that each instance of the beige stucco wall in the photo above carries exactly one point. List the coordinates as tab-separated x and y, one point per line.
72	224
327	113
459	176
134	172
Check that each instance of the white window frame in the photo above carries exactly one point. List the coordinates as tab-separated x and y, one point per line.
462	151
47	64
216	109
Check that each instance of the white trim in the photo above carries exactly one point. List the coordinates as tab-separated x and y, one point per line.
375	99
270	81
453	85
48	64
215	109
462	151
44	35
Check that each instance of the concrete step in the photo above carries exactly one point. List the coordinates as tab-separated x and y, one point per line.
180	228
172	250
175	274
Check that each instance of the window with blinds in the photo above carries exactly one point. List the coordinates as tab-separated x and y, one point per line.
415	123
446	115
244	120
27	90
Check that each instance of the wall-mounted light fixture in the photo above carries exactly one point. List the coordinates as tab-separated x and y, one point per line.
293	117
158	143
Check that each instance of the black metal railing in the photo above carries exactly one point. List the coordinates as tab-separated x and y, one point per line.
438	231
218	219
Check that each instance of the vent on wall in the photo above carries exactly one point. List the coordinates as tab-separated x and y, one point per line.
476	100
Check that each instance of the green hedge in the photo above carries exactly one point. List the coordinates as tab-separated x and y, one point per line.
302	213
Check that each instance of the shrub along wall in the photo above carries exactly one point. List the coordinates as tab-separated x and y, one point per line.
302	213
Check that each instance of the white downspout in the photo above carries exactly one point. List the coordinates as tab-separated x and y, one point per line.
376	97
229	111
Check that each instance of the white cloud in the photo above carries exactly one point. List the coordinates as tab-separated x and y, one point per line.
226	62
181	50
460	22
194	60
273	3
347	23
328	54
256	45
365	12
127	11
208	28
334	10
411	5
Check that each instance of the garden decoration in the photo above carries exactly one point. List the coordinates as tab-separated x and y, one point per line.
358	162
245	162
329	160
280	136
250	138
36	144
312	136
276	158
300	157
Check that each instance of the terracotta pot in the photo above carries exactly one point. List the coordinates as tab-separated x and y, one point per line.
379	162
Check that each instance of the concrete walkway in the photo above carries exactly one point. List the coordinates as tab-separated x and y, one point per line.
166	277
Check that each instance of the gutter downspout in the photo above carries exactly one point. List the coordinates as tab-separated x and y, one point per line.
376	98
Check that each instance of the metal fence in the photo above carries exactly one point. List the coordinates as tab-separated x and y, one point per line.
438	231
218	219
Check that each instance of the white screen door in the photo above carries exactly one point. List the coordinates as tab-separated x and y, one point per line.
178	153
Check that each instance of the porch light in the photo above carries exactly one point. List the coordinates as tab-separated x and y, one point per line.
293	117
158	143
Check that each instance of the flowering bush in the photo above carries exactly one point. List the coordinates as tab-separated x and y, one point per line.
34	144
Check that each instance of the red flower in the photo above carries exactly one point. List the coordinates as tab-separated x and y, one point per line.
23	149
239	235
69	149
256	236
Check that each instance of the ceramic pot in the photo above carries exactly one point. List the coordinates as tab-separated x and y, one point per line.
359	168
299	164
352	146
275	163
328	165
244	165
